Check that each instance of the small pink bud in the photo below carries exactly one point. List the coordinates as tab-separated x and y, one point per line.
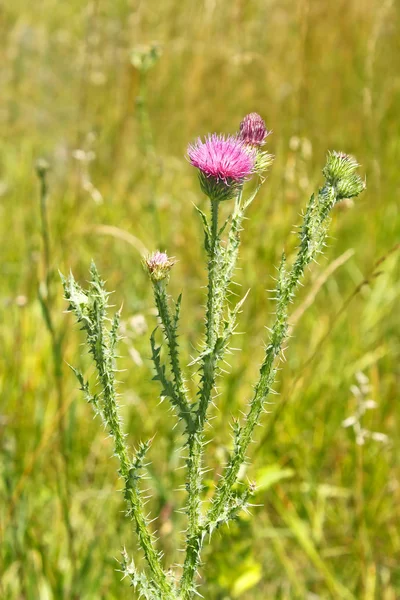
158	265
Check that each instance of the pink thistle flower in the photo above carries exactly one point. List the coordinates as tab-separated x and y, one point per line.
224	163
253	130
222	157
158	265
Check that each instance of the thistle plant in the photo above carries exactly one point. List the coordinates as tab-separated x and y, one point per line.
224	165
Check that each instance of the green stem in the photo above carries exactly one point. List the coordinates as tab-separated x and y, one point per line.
213	310
105	367
232	249
195	441
170	333
144	118
211	332
220	270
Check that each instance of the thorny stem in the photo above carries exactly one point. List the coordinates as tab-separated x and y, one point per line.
212	320
131	494
229	258
234	238
170	332
312	235
195	440
212	296
222	262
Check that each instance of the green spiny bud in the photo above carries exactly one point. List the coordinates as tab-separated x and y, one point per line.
340	172
350	187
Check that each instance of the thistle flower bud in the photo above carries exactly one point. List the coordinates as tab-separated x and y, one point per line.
253	130
158	265
340	172
253	134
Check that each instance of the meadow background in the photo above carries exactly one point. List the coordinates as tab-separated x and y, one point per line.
324	75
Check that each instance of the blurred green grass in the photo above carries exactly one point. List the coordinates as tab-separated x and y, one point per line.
324	76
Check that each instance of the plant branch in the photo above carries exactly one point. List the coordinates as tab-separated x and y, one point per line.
176	391
90	309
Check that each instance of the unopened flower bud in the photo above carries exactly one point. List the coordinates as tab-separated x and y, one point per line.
158	265
340	172
253	130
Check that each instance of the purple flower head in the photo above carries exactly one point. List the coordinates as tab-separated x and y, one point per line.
253	130
158	265
224	163
222	157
